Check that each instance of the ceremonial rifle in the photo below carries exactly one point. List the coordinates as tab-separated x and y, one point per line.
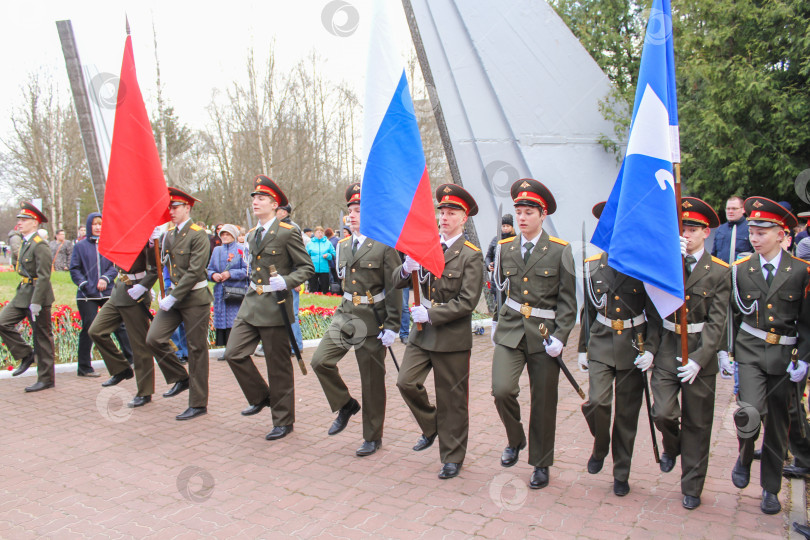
794	358
585	323
492	279
563	367
640	347
730	314
380	324
282	299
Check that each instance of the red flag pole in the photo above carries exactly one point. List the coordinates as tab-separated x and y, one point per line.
416	300
682	309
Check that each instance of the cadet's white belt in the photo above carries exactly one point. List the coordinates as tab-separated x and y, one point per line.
690	328
358	299
430	303
620	324
200	285
527	311
773	339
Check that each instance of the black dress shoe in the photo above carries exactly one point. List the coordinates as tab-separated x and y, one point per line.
139	401
793	471
368	448
256	409
191	412
92	374
449	470
667	463
278	432
595	465
539	478
342	420
690	503
424	442
803	530
25	363
740	474
118	377
621	487
511	454
758	454
178	387
37	386
770	503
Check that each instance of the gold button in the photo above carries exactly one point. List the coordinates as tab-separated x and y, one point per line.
618	309
259	257
369	264
616	297
525	292
770	318
770	306
353	270
773	329
258	281
354	282
507	272
546	272
687	310
619	332
525	279
748	296
274	252
687	297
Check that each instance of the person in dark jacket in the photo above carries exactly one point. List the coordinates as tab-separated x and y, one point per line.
735	214
507	231
93	274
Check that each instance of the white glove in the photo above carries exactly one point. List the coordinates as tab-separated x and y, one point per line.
796	375
492	333
419	314
683	246
582	360
35	309
409	265
387	337
167	303
644	361
136	291
554	346
689	372
155	234
277	283
726	366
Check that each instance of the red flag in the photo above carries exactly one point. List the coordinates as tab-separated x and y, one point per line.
136	198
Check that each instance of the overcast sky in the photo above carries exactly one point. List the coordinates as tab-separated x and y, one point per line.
202	45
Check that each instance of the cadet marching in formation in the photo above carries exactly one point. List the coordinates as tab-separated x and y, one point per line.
767	328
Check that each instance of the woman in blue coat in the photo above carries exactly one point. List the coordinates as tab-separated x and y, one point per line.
227	268
321	251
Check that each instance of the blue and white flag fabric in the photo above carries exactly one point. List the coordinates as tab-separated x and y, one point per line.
639	224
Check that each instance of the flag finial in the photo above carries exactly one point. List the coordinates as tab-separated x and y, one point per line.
127	22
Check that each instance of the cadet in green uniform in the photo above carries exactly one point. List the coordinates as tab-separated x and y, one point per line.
616	304
445	340
686	425
33	299
365	266
185	249
129	303
770	293
538	270
278	244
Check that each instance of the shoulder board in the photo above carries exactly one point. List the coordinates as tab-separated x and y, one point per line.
253	229
471	246
801	260
721	262
344	239
594	258
738	261
507	240
557	241
36	239
195	227
171	227
285	225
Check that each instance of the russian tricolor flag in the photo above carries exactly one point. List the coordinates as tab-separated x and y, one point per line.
396	204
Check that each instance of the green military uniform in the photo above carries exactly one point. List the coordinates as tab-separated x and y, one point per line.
615	326
135	315
366	266
260	317
185	251
444	343
33	263
686	423
774	319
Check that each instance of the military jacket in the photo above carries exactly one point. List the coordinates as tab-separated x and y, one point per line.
282	247
547	281
371	269
707	298
454	296
186	255
624	299
782	309
33	263
144	262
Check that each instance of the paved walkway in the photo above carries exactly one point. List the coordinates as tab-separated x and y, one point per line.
79	464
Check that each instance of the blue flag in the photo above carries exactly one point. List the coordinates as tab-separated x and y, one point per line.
639	224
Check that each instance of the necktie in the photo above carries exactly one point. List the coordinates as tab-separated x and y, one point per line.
690	260
259	233
769	277
444	247
355	245
528	246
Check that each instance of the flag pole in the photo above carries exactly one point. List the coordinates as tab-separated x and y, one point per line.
682	309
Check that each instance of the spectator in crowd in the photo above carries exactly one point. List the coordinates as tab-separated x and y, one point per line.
215	238
60	251
93	274
346	232
803	228
14	241
82	234
307	236
241	238
333	239
227	269
803	249
735	216
321	252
